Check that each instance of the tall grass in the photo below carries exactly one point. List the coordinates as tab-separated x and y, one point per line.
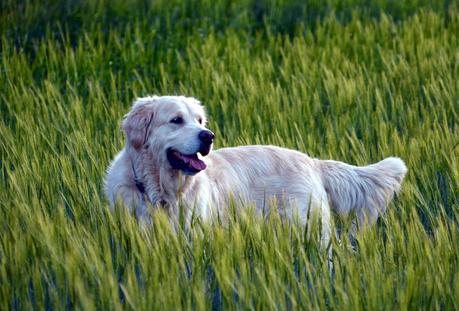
338	79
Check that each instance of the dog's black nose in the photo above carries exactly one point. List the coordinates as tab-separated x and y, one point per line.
206	136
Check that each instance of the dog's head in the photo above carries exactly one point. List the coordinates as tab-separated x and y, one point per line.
171	129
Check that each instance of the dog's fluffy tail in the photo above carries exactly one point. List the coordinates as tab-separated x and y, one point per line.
363	190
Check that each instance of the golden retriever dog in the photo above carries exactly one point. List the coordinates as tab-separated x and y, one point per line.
168	160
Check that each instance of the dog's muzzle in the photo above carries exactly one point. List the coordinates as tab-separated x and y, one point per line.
190	164
207	138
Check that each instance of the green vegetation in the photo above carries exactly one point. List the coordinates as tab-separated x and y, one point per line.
345	80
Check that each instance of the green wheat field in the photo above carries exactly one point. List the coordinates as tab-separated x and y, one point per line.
349	80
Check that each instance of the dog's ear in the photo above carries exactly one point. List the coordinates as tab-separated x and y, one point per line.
137	122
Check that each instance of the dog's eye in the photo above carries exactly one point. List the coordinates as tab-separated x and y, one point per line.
177	120
200	120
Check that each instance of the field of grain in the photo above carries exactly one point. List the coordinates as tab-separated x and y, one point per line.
350	80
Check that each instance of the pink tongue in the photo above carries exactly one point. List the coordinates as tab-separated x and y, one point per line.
194	162
198	164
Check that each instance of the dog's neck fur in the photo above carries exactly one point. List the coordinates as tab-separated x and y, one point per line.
162	186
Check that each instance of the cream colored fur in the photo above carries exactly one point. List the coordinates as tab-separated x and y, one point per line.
251	175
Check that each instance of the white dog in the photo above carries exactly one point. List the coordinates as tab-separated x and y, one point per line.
167	159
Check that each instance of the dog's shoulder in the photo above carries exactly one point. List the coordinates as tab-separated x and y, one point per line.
119	175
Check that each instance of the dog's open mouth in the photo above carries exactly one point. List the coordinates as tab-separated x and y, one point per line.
188	163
